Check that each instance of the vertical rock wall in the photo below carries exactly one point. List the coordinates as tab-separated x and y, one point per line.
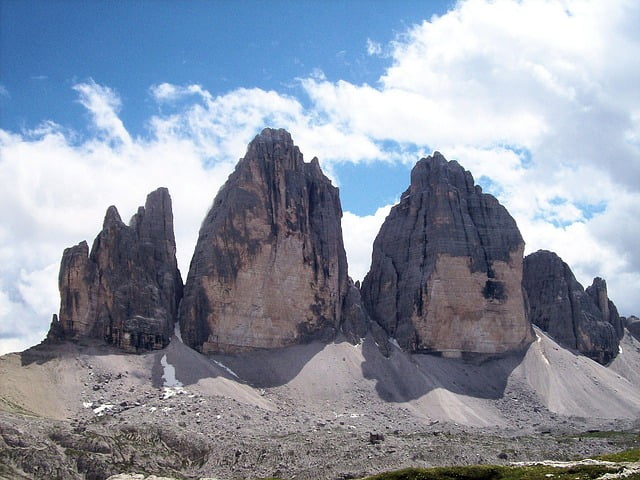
447	268
269	268
126	291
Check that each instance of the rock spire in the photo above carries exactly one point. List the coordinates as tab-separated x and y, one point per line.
269	269
447	268
126	290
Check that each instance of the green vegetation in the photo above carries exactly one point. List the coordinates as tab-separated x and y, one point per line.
494	472
632	455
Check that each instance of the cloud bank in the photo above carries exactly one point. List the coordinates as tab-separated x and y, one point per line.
538	99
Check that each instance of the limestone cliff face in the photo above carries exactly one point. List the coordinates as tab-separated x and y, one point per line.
125	291
269	268
447	268
574	318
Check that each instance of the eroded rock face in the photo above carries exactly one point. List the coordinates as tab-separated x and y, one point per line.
126	291
632	324
269	268
447	268
559	305
598	292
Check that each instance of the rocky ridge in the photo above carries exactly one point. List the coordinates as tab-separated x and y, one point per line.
269	270
587	322
447	267
127	289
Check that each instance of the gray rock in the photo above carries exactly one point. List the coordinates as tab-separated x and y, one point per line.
125	291
269	268
447	267
632	324
560	306
598	292
355	320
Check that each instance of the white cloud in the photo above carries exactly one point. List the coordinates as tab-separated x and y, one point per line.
538	99
103	104
359	234
373	47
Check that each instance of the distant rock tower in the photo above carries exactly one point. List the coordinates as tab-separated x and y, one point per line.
446	268
125	291
584	321
269	269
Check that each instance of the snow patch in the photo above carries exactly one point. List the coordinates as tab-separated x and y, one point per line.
173	391
222	365
102	408
169	374
395	343
177	332
87	404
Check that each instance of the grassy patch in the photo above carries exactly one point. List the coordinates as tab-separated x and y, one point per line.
493	472
632	455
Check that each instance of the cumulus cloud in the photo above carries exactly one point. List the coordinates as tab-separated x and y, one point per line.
359	234
538	99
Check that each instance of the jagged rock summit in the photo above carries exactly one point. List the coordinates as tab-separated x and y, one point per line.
447	268
126	291
585	321
269	269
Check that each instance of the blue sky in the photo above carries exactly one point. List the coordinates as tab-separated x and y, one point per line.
102	102
47	47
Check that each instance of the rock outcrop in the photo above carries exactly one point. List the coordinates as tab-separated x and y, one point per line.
632	324
126	291
269	269
598	292
447	268
559	305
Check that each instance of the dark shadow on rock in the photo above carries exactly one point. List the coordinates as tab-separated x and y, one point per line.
401	377
273	367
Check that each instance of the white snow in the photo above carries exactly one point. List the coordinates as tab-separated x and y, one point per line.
177	332
221	365
395	343
173	391
87	404
169	374
102	408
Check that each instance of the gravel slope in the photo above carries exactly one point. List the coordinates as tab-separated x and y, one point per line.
314	411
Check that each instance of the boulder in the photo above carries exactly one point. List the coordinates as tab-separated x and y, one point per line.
126	291
269	268
560	306
447	268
